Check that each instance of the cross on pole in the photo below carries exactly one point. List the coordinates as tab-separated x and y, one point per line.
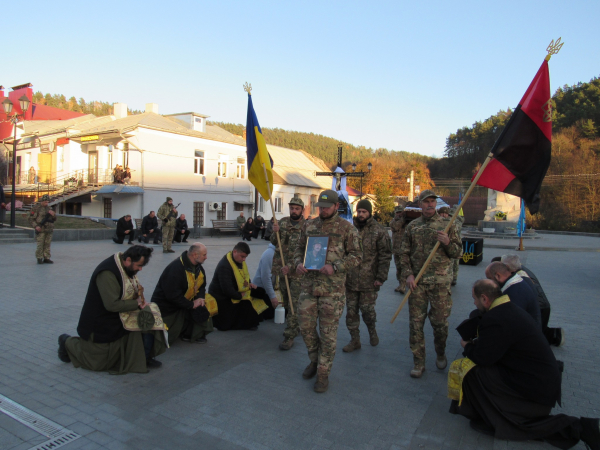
338	175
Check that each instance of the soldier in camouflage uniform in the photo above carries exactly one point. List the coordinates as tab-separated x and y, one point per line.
363	281
460	219
168	214
433	290
397	225
289	233
42	218
322	292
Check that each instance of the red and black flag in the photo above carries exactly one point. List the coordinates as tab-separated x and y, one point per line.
522	152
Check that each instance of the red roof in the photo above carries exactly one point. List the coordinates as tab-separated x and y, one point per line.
353	192
43	112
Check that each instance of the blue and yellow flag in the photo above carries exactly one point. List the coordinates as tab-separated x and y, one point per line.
256	149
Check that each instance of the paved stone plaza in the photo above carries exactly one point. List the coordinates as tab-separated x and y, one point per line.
240	392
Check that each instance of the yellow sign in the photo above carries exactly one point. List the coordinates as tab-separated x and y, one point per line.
90	138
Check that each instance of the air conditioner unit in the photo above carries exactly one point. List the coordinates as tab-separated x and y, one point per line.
214	206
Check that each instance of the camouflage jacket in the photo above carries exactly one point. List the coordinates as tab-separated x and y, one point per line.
419	239
397	226
37	215
377	254
289	235
343	251
163	212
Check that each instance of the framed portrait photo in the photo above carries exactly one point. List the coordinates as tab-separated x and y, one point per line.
316	252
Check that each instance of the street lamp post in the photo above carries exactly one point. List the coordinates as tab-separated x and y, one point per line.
14	119
361	175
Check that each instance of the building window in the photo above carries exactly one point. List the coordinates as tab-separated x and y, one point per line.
107	208
278	204
199	213
222	215
238	206
222	169
199	162
125	154
241	168
261	204
313	208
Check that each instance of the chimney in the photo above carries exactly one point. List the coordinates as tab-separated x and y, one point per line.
120	110
152	107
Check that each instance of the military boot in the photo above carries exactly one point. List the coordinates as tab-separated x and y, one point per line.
310	371
286	344
418	369
441	362
322	384
374	339
354	343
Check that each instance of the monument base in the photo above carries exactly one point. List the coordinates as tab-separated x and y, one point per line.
501	226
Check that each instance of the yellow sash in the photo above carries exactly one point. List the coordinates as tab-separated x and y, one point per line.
194	284
242	278
459	368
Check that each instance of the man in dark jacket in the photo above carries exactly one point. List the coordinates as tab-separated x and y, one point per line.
180	291
233	293
104	344
181	229
513	285
2	206
514	380
150	228
124	228
259	227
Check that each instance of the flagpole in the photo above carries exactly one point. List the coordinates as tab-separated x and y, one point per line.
287	283
437	244
521	226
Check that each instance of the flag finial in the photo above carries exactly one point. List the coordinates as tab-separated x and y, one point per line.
553	48
248	87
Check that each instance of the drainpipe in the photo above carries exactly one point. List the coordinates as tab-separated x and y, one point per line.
142	164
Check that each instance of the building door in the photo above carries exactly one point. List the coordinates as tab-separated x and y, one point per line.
107	207
93	167
199	214
222	215
44	167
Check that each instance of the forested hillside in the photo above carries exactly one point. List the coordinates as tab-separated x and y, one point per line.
72	104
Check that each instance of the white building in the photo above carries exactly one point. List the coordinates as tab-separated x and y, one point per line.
178	156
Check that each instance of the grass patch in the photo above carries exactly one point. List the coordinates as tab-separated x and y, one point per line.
62	222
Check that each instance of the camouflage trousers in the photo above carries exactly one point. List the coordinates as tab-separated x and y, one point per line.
292	327
439	300
401	281
167	237
321	346
455	271
363	301
43	239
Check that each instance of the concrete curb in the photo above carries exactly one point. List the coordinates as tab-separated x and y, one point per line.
543	249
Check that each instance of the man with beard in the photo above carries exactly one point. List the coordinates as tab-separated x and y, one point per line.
510	380
289	234
168	214
322	296
180	295
433	290
518	290
397	226
232	290
119	331
363	281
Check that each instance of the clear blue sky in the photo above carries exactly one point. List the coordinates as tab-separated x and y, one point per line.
399	75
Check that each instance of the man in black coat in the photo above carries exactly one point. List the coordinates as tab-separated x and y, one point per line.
180	295
259	227
150	228
224	288
124	229
2	206
181	229
516	381
519	291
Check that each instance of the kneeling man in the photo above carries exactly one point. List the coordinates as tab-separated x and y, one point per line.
510	381
118	331
180	295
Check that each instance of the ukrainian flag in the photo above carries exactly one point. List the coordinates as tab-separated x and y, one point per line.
256	149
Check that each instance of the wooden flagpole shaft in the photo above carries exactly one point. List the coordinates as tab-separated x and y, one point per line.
287	283
437	244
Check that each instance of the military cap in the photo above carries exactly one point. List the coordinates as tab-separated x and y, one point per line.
45	198
169	198
426	194
365	204
296	201
327	198
444	210
398	209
